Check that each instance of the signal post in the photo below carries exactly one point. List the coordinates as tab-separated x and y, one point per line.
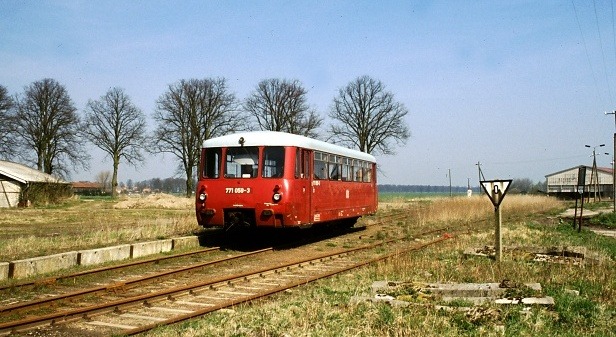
496	190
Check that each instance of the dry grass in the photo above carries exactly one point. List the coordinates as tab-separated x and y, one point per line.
89	224
323	308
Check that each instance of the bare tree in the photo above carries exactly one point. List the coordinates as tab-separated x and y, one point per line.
368	117
47	123
115	125
103	178
280	105
7	138
190	112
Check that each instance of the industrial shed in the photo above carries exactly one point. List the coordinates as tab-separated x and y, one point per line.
565	183
87	188
20	185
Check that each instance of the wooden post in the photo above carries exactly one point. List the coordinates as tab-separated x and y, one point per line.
498	244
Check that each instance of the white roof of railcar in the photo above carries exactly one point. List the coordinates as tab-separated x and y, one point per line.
273	138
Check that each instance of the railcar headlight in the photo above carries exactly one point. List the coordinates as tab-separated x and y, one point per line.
202	196
277	196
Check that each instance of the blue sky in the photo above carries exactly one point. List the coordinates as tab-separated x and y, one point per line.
520	86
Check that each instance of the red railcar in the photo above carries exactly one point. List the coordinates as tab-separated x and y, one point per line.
276	179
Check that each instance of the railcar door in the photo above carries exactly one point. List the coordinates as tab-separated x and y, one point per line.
303	194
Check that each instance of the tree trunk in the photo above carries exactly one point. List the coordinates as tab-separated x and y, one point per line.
114	177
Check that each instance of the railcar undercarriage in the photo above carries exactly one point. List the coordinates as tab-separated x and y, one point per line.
236	218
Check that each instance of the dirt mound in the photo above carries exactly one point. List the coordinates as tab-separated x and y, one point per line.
158	200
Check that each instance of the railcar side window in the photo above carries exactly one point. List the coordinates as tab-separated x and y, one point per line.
302	161
356	170
334	167
367	171
211	163
273	162
320	165
242	162
298	163
345	169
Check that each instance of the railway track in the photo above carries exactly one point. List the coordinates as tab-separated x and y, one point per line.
69	280
90	272
169	304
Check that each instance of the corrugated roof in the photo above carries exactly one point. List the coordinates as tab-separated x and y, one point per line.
588	168
25	174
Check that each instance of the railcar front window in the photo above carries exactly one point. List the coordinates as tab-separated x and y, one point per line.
273	162
211	163
242	162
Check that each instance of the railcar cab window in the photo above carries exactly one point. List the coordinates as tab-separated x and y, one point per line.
273	162
211	163
242	162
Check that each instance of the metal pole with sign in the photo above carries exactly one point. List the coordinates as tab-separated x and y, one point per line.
580	185
496	190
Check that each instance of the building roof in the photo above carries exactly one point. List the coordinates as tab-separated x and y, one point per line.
86	185
25	174
605	170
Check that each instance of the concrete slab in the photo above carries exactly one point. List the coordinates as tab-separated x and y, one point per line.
185	242
475	293
472	289
101	255
379	298
151	247
545	301
4	271
451	289
42	264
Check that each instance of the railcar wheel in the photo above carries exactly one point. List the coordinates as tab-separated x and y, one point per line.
348	223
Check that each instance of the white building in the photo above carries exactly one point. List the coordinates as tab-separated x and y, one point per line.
565	182
17	180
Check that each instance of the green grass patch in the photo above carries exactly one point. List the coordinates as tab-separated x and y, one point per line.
607	220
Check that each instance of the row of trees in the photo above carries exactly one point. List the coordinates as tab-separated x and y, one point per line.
518	186
42	125
167	185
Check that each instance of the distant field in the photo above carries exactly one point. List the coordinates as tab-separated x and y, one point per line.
402	196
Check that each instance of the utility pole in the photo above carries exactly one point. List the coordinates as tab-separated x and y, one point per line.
449	174
594	175
613	163
481	178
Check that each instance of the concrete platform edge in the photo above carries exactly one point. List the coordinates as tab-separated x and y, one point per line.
45	264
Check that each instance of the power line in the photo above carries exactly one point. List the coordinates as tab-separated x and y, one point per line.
607	81
592	71
613	30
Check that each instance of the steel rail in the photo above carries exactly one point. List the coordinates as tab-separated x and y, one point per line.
295	284
115	305
67	316
47	301
51	280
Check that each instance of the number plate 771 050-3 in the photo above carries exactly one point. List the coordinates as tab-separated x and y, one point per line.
237	190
